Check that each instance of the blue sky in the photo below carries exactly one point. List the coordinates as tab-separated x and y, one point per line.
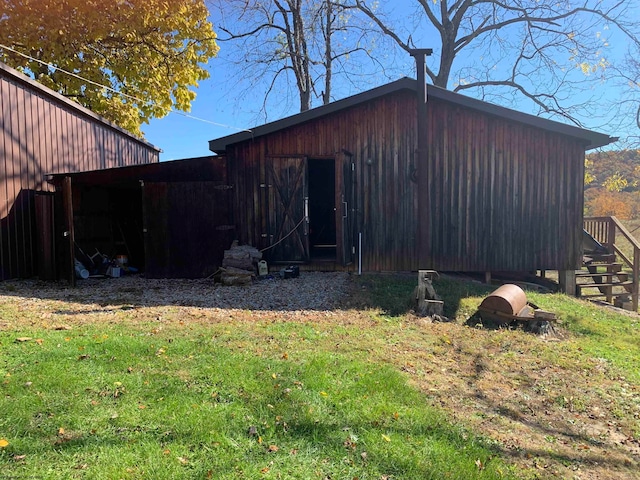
227	107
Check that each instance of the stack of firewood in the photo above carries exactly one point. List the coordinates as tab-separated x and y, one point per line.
239	264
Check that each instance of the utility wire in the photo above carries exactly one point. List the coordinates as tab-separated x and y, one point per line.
168	109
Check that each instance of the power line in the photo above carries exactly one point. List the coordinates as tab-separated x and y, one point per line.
168	109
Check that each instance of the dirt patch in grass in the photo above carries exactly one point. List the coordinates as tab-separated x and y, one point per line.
551	409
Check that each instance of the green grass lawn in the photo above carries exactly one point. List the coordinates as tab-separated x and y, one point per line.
204	402
266	397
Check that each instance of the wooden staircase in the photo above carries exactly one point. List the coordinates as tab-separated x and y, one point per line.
611	263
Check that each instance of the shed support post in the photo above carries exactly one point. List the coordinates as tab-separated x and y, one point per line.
567	280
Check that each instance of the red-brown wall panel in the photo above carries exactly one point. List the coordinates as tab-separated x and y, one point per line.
42	133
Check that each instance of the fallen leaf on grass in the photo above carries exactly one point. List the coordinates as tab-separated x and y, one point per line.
183	460
39	341
19	458
4	442
273	448
22	339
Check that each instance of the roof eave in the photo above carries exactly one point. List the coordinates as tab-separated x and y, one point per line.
590	138
219	145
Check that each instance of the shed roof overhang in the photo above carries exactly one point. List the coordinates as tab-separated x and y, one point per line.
590	138
184	170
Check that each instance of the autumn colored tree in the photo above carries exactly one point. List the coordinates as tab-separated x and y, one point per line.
151	51
608	203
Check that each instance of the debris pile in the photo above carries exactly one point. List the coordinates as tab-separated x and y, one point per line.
239	264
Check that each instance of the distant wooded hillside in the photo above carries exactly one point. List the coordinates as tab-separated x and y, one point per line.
612	184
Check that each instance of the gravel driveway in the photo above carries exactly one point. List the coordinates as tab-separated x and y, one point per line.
316	291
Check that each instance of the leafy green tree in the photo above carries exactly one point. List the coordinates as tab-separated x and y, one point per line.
152	51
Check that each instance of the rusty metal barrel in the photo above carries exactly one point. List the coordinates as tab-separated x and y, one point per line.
508	299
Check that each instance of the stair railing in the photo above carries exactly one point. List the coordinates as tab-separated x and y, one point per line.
604	230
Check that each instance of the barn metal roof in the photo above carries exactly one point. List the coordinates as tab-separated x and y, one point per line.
47	92
592	139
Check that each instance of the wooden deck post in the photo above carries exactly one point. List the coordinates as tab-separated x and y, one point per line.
567	280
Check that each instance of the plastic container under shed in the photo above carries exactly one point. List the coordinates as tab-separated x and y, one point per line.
263	268
81	271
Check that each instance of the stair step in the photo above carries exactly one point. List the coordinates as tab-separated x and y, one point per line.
581	274
610	267
598	285
599	258
593	295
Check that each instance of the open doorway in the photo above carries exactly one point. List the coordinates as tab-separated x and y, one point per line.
322	212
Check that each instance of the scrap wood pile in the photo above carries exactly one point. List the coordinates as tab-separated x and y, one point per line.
239	264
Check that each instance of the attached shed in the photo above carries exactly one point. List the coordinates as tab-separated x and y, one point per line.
170	219
339	184
41	133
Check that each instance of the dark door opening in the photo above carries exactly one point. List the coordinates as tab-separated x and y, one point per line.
322	212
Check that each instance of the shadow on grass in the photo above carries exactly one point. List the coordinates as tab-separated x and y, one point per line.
394	294
325	417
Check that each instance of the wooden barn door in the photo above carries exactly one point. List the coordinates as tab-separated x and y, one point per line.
288	209
346	220
186	228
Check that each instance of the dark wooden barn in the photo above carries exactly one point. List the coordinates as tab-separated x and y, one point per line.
43	133
339	184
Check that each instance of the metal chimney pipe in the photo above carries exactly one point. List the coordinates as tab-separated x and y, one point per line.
422	158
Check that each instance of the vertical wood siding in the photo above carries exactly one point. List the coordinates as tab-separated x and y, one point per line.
503	196
506	196
41	133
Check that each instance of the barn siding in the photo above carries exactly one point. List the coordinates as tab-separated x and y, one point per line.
43	133
386	194
504	196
